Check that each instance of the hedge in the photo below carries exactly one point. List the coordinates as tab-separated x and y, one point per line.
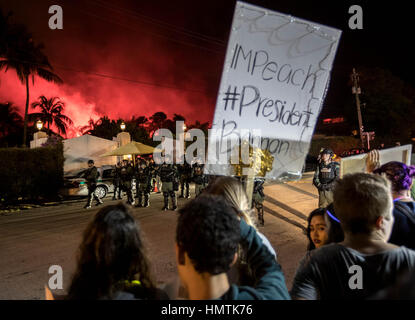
31	174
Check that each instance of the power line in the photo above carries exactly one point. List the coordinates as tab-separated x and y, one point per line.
170	27
150	32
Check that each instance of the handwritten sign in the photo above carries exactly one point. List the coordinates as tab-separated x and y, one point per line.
357	163
274	80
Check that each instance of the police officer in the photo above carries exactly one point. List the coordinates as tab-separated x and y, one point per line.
126	175
185	173
143	184
199	178
258	198
155	178
117	181
169	177
327	172
91	175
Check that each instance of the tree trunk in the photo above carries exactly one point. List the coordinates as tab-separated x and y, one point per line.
26	112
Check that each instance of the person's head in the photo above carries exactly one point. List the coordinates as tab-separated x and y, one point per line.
363	203
207	237
90	163
334	230
326	155
316	229
234	192
399	174
143	164
111	252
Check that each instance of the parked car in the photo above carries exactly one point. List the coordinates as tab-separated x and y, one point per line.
75	184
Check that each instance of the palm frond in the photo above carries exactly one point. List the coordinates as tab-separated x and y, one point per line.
48	75
64	118
62	126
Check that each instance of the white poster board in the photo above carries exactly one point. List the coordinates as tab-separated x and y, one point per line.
274	80
357	163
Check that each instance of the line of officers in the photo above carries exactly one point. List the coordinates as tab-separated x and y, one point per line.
167	177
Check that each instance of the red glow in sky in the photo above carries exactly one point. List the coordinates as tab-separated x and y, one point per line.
108	67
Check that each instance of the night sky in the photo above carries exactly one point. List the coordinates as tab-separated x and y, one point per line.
125	58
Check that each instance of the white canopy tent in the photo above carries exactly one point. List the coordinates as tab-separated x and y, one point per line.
78	151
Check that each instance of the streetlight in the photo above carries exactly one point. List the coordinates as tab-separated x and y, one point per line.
122	126
39	125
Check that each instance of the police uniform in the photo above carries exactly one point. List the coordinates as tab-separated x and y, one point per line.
258	198
324	179
154	167
185	172
126	175
168	176
117	182
91	175
199	178
143	178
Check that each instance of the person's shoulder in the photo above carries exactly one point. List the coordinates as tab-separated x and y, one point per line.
404	251
326	253
244	293
401	208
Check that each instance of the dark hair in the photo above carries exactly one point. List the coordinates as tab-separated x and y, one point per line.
327	151
90	161
314	213
399	174
208	231
110	254
335	231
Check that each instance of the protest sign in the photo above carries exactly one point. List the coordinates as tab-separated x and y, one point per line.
274	80
357	163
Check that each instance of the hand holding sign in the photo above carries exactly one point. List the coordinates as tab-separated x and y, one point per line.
372	161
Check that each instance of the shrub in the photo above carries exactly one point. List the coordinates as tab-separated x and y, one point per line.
31	174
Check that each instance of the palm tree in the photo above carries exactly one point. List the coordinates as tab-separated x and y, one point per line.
51	113
140	121
88	128
27	59
204	126
157	121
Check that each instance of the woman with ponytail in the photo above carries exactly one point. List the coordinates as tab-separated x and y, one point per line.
400	175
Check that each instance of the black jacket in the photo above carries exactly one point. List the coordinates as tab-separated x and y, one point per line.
403	230
270	284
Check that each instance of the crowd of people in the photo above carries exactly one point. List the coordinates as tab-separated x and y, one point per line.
166	178
361	245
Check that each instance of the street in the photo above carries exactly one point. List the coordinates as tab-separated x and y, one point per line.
33	240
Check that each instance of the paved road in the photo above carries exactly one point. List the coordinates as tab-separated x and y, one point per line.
33	240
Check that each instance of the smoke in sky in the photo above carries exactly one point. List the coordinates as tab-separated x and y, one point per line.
118	66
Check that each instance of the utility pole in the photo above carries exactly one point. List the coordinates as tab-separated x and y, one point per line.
356	91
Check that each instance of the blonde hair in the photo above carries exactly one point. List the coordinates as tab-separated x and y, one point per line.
360	199
233	191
